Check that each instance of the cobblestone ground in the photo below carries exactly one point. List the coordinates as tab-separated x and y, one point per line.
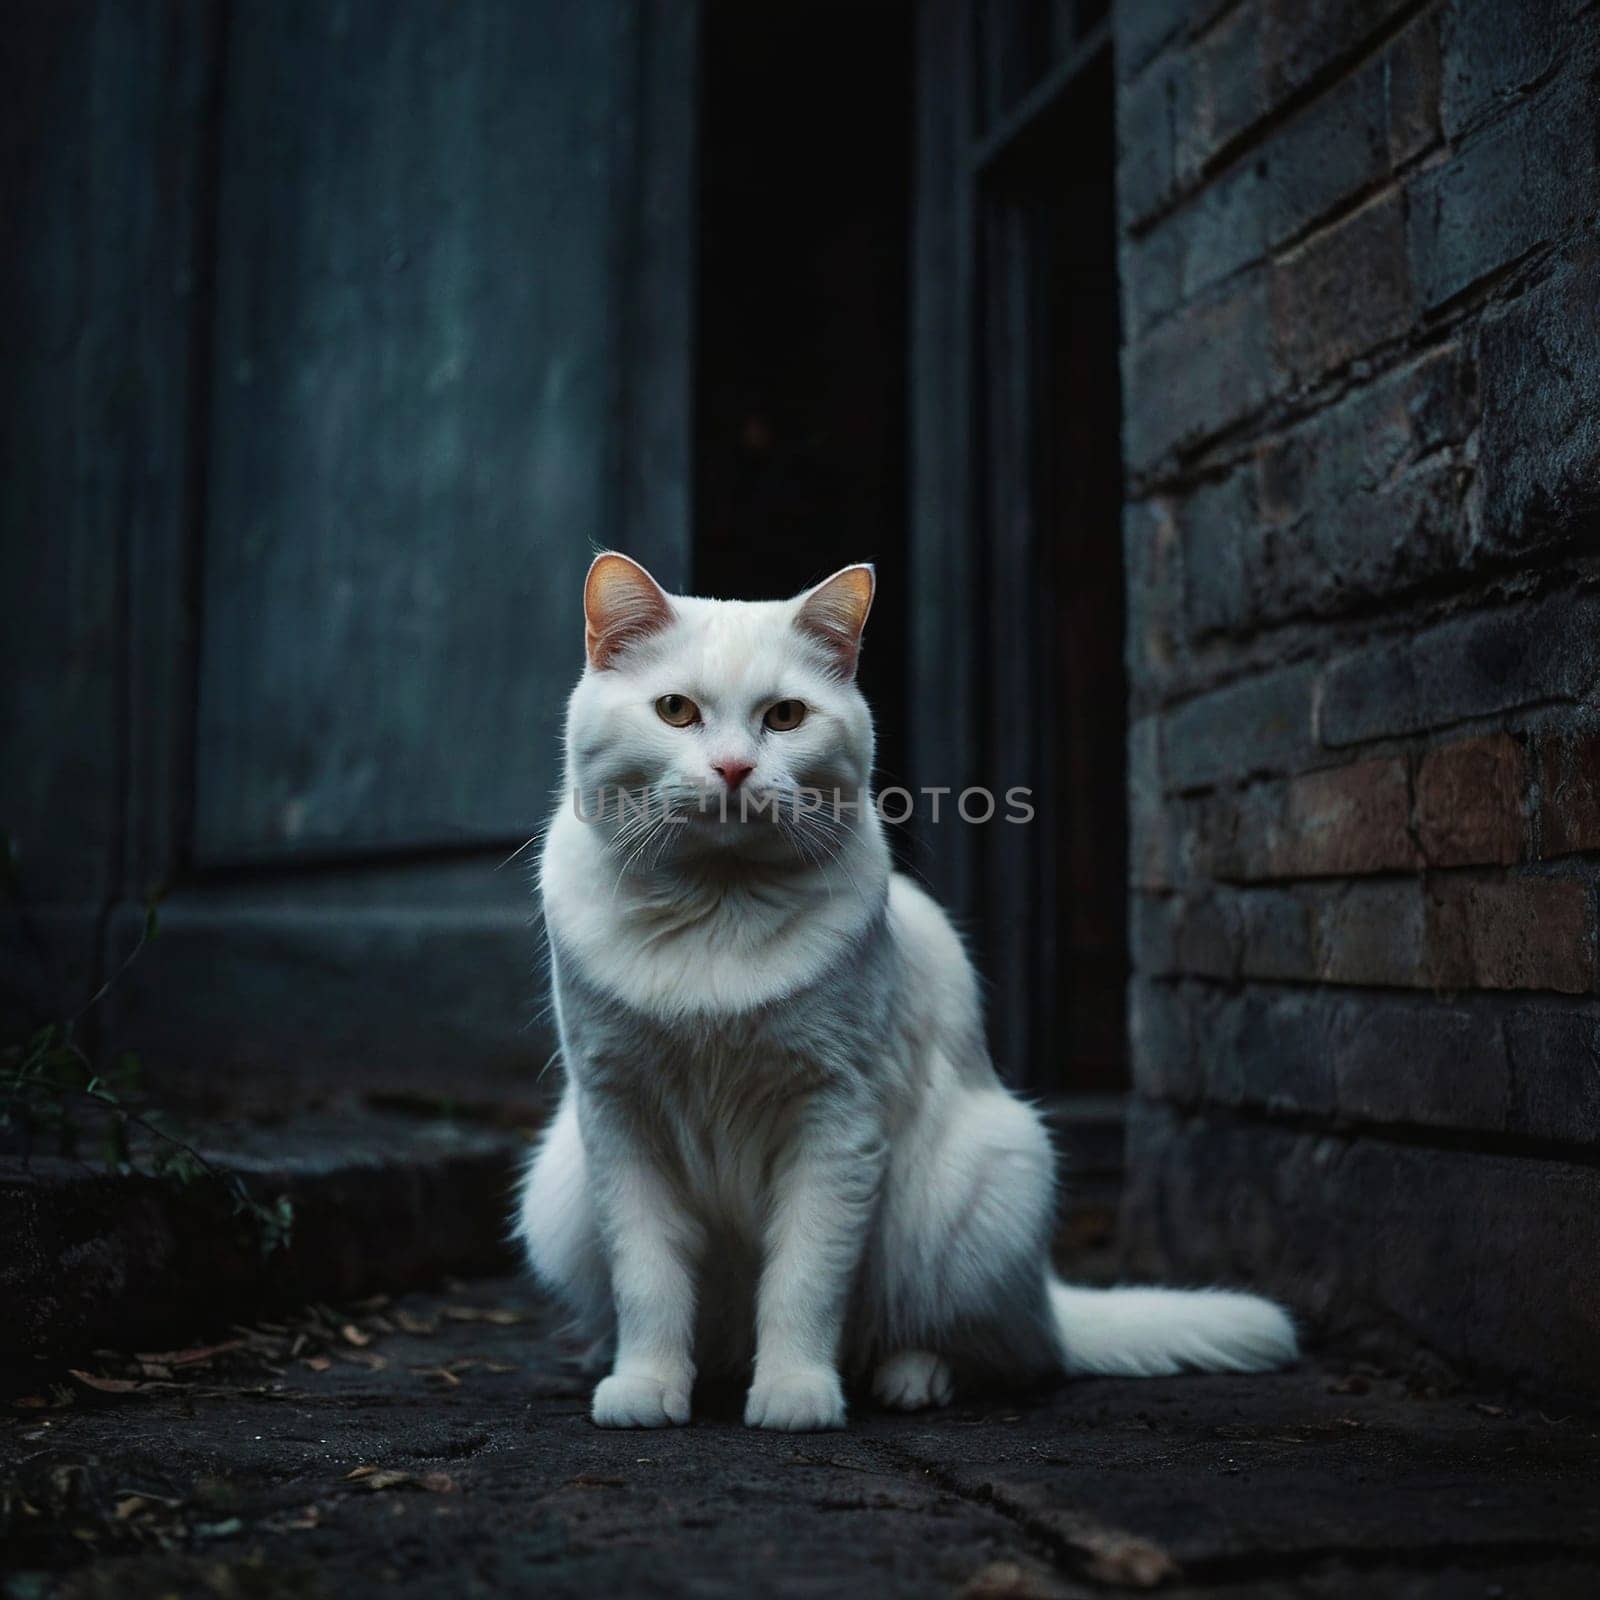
438	1445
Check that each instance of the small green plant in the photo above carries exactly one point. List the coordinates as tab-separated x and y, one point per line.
51	1090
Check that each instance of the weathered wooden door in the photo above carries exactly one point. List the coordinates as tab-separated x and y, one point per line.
430	310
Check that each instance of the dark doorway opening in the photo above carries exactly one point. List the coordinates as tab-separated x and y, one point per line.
800	346
1048	522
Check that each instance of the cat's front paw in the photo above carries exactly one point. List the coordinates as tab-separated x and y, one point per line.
801	1400
912	1379
640	1400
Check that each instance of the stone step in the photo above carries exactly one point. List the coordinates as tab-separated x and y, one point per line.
377	1202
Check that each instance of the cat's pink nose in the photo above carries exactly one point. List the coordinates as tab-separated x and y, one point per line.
733	773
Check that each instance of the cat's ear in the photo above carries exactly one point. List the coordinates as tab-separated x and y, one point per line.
622	604
835	612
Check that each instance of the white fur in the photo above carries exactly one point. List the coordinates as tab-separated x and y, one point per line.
781	1146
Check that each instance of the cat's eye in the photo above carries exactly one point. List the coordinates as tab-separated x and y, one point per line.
677	710
785	716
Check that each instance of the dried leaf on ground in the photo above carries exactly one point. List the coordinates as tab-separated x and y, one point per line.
195	1357
1010	1580
370	1477
104	1385
449	1374
498	1316
150	1497
376	1478
443	1374
1127	1561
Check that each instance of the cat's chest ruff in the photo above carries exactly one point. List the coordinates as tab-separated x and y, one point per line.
698	1061
694	954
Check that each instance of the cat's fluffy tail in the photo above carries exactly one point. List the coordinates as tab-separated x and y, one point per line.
1147	1333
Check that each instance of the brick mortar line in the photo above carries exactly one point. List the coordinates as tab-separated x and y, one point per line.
1349	1130
1331	989
1214	454
1581	866
1585	1007
1507	102
1235	150
1238	149
1340	756
1379	745
1224	449
1397	178
1437	589
1535	796
1576	867
1386	624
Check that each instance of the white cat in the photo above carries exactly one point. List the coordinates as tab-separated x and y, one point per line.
781	1136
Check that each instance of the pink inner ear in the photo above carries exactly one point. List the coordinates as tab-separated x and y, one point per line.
622	604
835	612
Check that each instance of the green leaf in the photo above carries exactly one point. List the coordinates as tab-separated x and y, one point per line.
40	1044
277	1224
176	1165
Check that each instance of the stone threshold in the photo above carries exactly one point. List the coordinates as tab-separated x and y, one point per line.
380	1202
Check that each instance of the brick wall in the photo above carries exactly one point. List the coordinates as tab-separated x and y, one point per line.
1361	287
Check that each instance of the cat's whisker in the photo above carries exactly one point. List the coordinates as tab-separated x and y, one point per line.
661	822
533	839
837	856
798	838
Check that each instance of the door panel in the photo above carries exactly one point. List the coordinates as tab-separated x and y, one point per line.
412	454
